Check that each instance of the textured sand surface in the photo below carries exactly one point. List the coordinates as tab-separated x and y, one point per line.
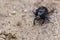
16	20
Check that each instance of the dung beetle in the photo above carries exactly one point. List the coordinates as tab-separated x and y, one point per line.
41	14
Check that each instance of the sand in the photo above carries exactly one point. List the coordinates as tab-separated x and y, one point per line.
16	20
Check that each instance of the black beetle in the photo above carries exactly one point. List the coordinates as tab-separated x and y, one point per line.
41	13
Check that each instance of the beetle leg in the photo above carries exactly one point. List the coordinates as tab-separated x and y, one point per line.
47	19
34	21
43	21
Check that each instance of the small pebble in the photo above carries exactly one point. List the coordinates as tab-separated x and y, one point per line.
25	10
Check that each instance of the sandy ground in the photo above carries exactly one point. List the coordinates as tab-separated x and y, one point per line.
16	20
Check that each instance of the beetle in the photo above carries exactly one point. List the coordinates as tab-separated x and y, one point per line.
41	14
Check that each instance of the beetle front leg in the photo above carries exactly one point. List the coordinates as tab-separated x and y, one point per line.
43	21
34	21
